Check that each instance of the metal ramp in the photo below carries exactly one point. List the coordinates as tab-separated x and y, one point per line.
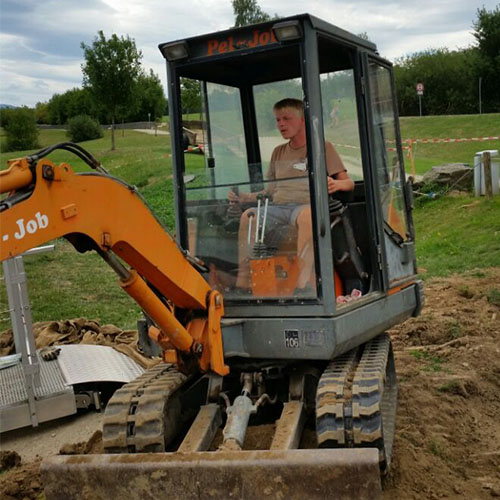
33	390
53	398
56	397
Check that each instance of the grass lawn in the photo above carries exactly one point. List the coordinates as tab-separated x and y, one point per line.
452	127
453	233
65	284
456	233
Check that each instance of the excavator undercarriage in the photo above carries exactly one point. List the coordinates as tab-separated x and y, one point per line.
344	438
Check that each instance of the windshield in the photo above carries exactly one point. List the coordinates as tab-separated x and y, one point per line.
251	246
248	221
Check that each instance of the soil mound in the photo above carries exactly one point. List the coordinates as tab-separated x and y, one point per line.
448	363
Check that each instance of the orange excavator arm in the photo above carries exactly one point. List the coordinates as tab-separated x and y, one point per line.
97	211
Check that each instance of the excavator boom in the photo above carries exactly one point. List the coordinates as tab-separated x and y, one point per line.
97	211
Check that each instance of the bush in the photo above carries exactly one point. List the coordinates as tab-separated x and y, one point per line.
20	130
5	114
83	128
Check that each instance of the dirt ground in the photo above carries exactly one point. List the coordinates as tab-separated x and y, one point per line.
448	426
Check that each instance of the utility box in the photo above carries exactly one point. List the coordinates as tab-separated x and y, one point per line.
479	174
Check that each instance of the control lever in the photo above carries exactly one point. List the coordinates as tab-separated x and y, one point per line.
260	248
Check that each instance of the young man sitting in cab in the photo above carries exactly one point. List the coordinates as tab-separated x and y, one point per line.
289	194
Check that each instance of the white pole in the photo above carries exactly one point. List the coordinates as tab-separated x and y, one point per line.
480	81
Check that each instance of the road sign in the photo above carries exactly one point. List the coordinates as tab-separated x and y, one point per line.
420	88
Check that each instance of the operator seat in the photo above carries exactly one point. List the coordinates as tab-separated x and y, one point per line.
347	256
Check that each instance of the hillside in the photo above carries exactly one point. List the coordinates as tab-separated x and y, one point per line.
449	127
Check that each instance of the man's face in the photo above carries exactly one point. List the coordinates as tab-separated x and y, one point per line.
290	122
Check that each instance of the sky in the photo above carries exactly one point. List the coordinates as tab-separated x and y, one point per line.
40	52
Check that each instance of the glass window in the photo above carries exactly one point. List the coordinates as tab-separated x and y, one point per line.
386	155
253	248
253	232
340	118
220	137
265	97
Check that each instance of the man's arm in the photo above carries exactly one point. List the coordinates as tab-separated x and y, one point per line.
338	178
252	197
342	182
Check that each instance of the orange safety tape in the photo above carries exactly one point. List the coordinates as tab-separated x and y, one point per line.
466	139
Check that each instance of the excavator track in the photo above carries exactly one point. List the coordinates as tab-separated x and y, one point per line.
145	414
356	400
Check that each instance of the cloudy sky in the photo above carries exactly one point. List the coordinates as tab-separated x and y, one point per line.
40	50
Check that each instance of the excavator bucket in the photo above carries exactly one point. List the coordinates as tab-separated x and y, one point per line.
290	474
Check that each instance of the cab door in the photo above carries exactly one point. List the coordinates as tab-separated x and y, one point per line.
396	230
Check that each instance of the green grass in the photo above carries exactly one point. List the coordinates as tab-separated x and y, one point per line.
453	127
65	284
457	233
186	116
430	363
437	448
493	296
452	387
453	233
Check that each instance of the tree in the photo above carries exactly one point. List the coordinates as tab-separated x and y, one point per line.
42	112
83	128
248	12
74	102
448	76
487	34
190	95
21	130
149	100
110	71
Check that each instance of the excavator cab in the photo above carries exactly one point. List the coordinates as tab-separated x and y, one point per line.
259	323
361	248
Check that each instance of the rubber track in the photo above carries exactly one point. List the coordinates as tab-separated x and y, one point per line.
356	400
136	417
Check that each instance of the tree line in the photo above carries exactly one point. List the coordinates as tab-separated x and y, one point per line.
455	82
116	88
149	102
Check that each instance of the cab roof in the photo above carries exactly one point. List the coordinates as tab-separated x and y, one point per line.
252	54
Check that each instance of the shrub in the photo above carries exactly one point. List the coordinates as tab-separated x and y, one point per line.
83	128
5	114
20	130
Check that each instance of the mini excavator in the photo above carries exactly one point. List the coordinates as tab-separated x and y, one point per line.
314	362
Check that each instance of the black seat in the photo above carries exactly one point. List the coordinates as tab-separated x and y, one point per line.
348	258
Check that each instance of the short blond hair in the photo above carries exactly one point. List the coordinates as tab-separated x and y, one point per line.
290	102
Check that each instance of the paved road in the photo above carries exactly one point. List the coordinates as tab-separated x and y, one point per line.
151	131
